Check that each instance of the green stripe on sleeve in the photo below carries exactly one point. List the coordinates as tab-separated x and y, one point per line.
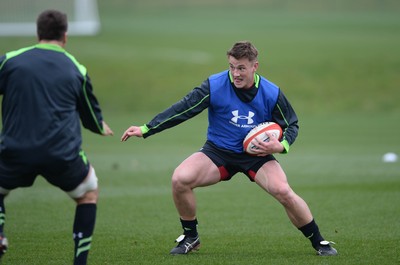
284	142
15	53
82	69
144	129
286	146
178	114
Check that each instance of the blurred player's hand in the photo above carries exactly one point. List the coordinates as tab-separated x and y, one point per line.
131	131
107	130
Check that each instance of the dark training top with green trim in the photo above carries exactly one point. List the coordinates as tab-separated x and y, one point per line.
46	93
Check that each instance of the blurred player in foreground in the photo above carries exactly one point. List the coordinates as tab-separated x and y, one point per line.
46	93
237	100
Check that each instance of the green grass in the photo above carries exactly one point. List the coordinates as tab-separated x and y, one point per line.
353	195
338	62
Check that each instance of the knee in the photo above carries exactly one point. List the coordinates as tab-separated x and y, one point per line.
284	194
180	180
87	191
88	197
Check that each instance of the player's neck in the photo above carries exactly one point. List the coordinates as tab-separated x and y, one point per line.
59	43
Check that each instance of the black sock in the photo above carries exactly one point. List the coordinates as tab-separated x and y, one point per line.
189	227
311	231
85	218
2	213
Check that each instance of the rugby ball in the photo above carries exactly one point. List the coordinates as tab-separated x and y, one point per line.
259	132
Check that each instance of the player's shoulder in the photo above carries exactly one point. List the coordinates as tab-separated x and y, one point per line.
223	74
82	69
267	83
17	52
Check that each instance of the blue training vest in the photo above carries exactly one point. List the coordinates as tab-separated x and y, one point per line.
229	118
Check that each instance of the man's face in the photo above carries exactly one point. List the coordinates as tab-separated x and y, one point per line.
242	72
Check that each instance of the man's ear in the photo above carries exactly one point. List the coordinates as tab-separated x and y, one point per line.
255	66
65	37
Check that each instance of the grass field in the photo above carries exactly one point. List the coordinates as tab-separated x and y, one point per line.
339	67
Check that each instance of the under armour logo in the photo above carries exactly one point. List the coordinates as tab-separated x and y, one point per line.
236	116
78	235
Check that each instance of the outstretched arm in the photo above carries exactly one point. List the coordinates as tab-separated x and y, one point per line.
188	107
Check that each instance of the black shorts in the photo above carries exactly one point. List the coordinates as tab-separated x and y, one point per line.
230	163
66	175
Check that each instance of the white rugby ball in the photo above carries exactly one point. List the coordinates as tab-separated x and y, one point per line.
259	132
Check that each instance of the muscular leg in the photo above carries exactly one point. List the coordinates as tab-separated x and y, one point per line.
272	178
195	171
